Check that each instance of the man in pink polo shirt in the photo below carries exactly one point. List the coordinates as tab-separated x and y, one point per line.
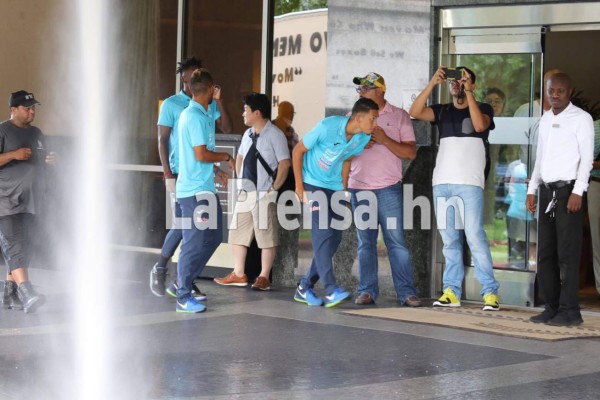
377	173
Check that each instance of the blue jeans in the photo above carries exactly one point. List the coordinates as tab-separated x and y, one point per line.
389	210
325	242
198	244
452	236
174	235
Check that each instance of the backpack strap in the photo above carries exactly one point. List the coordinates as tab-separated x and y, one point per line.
260	158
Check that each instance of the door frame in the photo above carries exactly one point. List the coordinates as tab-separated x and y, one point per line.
504	22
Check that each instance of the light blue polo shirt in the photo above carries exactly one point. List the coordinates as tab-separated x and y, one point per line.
327	150
170	110
196	128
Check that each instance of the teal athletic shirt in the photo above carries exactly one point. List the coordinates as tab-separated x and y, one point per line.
170	110
327	150
196	128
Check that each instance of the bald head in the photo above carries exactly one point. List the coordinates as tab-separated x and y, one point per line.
560	77
545	102
551	72
559	90
286	110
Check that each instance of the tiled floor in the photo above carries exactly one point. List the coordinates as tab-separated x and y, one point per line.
254	345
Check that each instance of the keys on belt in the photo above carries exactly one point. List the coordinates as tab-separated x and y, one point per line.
558	184
551	209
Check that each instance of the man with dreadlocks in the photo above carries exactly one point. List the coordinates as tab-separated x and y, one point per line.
168	143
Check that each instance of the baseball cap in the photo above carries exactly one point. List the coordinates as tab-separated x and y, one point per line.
22	98
371	79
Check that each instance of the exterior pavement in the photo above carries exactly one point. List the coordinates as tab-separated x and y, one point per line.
263	345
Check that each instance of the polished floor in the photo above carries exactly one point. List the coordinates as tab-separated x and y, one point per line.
252	345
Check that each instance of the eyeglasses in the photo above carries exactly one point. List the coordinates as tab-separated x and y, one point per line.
363	89
495	102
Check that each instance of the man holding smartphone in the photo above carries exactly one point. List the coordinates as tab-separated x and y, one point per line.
459	181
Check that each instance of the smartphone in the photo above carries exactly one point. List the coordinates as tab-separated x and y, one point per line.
453	74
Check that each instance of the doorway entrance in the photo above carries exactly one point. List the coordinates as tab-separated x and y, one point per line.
509	48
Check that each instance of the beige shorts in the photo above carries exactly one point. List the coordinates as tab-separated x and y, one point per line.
258	219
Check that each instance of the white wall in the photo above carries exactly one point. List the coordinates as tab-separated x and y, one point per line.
306	65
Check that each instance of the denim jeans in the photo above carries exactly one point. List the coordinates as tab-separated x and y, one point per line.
174	235
472	220
390	210
198	245
325	242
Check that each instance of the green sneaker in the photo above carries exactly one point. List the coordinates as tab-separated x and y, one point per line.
448	299
491	302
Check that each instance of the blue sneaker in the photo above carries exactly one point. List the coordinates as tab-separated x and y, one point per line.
336	297
191	306
307	297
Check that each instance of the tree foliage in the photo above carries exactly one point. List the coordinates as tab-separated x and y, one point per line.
510	73
288	6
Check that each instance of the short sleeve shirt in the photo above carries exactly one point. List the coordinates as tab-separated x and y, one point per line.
18	183
378	167
327	150
170	110
196	128
461	158
272	145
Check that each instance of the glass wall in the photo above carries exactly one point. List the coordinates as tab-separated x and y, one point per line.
508	83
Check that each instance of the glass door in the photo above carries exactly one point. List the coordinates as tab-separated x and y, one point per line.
508	75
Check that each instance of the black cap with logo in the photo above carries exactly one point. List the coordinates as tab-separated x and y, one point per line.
22	98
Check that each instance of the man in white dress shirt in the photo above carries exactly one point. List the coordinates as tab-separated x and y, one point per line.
562	170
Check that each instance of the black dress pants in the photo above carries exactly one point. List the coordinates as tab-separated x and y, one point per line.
559	250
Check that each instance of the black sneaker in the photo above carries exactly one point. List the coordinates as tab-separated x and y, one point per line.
544	317
10	299
196	292
30	299
157	280
563	318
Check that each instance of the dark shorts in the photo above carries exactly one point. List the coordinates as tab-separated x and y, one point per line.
14	240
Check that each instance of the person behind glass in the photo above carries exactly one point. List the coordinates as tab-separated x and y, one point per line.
196	192
379	170
285	117
497	99
321	167
21	156
255	215
458	183
168	150
564	158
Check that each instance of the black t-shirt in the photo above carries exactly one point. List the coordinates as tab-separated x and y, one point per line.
461	148
18	181
250	162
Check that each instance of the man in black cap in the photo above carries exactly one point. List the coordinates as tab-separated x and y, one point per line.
21	153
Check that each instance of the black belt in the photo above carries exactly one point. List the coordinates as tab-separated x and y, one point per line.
595	178
558	185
